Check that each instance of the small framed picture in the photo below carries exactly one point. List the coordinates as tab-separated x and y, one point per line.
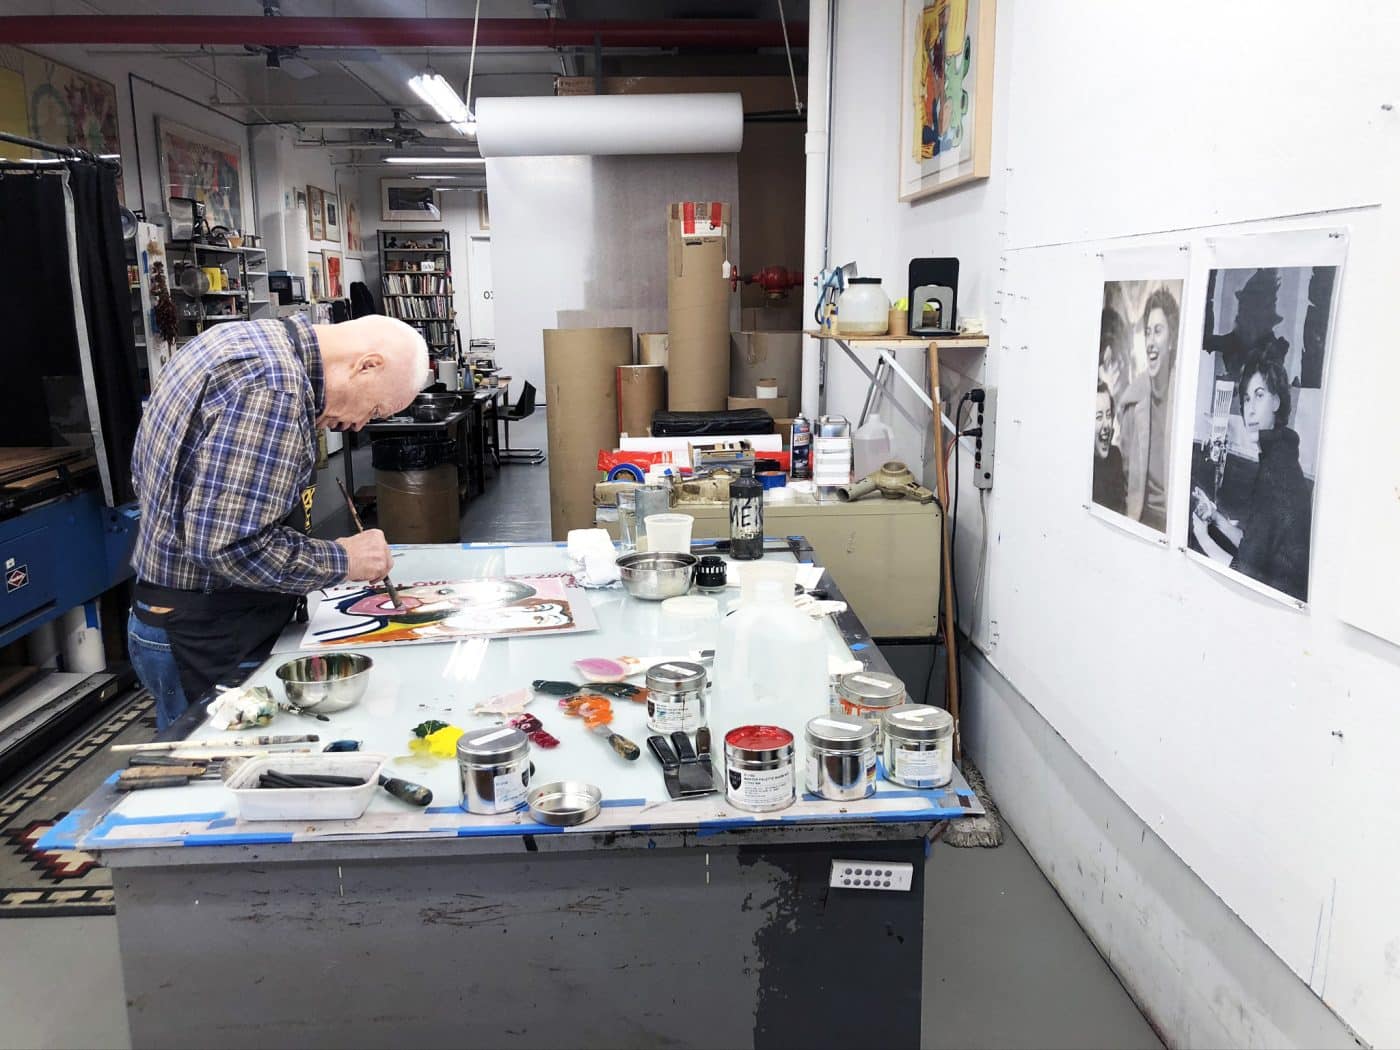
332	215
315	214
334	281
408	200
315	277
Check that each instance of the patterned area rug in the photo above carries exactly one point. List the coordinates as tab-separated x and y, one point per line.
36	883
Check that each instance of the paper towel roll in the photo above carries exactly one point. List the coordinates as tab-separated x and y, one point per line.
641	391
81	635
447	373
603	125
580	378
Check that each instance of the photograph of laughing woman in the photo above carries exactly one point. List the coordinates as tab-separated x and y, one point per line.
1138	330
1258	421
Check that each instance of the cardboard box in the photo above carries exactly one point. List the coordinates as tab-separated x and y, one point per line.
766	355
652	348
697	306
777	407
580	378
641	391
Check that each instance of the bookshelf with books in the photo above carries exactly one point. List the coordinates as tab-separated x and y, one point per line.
415	270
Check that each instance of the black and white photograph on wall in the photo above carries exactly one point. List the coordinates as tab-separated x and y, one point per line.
1134	401
1261	378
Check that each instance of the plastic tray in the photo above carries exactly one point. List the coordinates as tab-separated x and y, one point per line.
328	803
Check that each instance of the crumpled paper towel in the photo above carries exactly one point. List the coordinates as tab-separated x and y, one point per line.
592	558
242	708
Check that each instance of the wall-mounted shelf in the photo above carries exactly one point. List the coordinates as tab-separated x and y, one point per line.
951	342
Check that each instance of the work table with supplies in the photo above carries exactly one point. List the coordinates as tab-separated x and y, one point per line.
221	918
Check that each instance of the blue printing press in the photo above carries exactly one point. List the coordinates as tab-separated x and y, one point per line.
61	547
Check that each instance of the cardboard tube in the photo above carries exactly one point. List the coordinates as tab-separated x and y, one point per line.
651	348
580	378
641	391
697	307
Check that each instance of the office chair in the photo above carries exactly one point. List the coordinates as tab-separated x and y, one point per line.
524	406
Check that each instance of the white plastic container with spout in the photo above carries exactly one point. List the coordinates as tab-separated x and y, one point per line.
874	443
769	653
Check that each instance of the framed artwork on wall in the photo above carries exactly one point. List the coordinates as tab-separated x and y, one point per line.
408	200
333	219
193	164
334	270
46	100
350	208
315	277
315	214
945	95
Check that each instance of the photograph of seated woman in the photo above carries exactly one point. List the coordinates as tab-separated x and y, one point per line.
1254	458
1270	541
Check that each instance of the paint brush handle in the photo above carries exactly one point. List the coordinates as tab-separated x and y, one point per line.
360	527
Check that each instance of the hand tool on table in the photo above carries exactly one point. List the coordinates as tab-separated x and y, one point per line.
141	777
342	745
405	791
360	527
618	743
227	743
688	773
290	708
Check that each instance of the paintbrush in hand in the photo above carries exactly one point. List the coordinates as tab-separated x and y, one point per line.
360	527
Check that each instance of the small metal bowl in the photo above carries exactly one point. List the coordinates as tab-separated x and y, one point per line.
326	682
656	576
565	803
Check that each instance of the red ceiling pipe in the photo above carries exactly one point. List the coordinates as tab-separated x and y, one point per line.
392	32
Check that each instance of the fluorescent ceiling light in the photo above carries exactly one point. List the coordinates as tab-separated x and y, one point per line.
434	89
439	178
472	161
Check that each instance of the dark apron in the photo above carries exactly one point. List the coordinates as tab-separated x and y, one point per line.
212	632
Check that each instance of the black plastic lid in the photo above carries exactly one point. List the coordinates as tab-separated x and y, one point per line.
864	280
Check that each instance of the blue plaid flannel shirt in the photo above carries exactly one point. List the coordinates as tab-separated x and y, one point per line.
225	452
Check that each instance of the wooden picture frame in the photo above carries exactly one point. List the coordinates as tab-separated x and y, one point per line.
315	213
315	277
334	216
945	99
408	200
334	275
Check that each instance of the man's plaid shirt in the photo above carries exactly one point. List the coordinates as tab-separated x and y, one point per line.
226	450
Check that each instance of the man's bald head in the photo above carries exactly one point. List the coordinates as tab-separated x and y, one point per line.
373	366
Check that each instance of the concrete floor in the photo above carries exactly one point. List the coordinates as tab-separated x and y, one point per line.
1005	964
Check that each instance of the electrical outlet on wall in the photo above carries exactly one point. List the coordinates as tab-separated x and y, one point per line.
984	451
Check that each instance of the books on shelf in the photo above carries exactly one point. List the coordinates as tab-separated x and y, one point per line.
417	284
435	333
421	308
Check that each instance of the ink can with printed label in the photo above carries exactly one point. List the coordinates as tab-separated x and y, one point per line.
760	773
676	697
494	768
918	749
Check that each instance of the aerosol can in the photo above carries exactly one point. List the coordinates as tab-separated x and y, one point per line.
801	448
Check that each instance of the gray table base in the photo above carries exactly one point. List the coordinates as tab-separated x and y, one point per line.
724	944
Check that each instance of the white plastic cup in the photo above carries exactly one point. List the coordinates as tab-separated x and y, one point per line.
669	533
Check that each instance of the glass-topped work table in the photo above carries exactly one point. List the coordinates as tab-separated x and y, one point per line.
684	922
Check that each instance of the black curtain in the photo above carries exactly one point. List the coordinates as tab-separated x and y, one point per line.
44	391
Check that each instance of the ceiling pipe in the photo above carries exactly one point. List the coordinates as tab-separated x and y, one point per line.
392	32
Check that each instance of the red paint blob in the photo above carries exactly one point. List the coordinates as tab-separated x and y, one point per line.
758	738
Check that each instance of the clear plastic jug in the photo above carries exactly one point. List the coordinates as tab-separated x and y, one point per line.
874	444
771	661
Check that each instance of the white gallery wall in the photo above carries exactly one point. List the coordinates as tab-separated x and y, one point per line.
1252	740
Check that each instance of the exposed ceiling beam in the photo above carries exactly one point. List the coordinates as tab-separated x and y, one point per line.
392	32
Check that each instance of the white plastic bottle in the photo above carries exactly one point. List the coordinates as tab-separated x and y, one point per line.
874	444
771	661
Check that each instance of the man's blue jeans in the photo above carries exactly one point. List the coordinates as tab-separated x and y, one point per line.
154	662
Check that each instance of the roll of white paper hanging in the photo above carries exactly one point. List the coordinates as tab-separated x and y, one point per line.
603	125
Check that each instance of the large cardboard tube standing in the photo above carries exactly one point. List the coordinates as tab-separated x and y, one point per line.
697	307
580	379
641	392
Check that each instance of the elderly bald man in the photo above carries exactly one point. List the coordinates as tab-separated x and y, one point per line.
225	469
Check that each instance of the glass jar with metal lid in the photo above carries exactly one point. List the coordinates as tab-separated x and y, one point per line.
868	695
918	748
494	767
676	697
840	757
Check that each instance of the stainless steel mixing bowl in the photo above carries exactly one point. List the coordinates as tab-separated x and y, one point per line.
657	576
326	682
